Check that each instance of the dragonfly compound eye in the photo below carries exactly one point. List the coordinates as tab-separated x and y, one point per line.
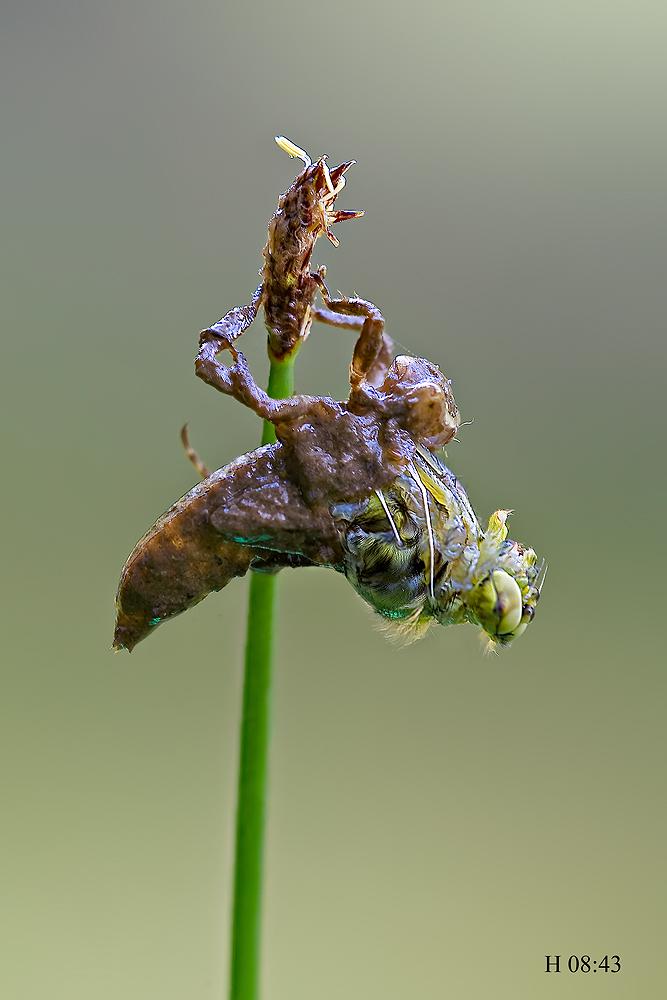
498	605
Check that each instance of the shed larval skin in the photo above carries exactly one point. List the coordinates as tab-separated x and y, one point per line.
352	485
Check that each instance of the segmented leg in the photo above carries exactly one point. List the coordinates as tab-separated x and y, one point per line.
237	320
373	351
192	455
236	380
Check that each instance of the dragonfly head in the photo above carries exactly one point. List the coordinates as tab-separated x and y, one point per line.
500	588
502	606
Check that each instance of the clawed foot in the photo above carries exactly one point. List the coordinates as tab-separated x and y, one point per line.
234	380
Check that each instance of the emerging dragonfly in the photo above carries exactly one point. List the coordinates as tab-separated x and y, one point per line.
352	485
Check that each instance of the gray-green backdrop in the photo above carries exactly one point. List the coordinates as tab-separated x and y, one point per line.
439	820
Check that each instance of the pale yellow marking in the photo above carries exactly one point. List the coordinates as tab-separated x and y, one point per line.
293	150
385	508
429	528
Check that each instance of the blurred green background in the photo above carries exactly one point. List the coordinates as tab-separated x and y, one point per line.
439	820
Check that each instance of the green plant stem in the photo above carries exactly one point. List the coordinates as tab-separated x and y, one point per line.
255	728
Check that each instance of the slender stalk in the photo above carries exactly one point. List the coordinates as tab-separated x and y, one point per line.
255	728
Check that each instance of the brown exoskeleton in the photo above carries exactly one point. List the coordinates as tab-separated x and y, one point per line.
350	485
305	212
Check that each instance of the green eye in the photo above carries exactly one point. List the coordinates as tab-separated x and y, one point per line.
497	603
520	630
508	602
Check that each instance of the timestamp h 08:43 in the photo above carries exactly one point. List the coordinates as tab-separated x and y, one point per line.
582	963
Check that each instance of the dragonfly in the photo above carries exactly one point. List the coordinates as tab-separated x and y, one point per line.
355	486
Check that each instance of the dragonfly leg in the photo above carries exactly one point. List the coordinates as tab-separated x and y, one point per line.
411	390
374	348
237	320
236	380
192	455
